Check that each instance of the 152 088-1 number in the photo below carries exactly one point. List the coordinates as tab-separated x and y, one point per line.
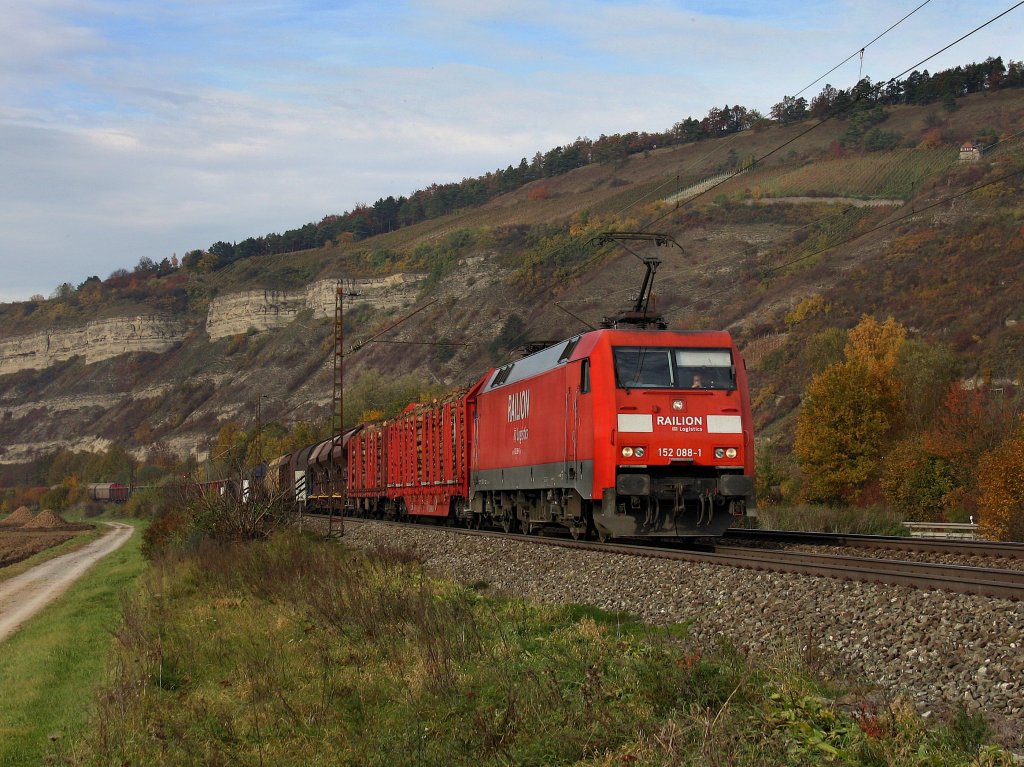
679	452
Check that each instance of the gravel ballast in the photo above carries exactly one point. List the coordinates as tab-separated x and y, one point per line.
940	649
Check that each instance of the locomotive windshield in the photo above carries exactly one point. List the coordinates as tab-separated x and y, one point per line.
643	367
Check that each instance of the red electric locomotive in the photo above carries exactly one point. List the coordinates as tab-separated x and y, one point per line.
624	432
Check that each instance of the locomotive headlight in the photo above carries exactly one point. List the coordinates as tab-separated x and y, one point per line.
627	452
639	452
730	452
677	404
719	452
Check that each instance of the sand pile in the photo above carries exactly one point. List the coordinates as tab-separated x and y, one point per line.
18	517
45	520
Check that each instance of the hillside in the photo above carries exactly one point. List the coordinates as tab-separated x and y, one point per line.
892	232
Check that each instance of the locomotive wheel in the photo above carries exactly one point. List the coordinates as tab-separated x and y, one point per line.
508	523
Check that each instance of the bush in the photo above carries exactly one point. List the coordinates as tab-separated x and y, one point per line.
187	516
91	509
167	530
55	498
917	482
147	502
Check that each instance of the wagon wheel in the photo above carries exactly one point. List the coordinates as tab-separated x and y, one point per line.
578	531
602	535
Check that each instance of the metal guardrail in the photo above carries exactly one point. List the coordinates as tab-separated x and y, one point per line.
967	531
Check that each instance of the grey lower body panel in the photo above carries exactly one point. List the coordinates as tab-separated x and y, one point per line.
575	475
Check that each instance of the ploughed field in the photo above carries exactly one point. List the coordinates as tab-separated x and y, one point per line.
23	534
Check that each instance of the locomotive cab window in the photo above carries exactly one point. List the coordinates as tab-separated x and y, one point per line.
705	369
656	368
644	368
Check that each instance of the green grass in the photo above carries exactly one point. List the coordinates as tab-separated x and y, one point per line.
50	668
300	652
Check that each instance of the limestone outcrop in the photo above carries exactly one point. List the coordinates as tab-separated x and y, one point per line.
267	309
98	340
227	316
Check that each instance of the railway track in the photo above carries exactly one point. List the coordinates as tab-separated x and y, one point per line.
925	545
986	581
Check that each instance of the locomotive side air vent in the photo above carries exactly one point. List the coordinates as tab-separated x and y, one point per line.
568	350
502	376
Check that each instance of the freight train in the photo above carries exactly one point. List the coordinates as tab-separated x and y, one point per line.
610	433
629	430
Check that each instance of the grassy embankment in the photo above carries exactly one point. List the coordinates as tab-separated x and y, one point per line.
300	652
869	520
50	668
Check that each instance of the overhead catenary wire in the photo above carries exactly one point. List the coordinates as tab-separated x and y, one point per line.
958	40
760	160
860	51
828	118
856	99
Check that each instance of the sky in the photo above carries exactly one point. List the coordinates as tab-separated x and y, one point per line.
144	128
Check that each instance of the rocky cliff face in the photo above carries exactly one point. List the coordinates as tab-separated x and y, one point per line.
227	316
94	341
80	388
268	309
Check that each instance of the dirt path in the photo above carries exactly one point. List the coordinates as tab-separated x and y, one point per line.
24	595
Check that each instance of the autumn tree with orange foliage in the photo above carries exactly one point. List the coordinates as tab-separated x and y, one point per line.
961	432
850	412
1001	479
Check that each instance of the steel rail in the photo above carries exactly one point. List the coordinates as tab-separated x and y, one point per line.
987	581
991	582
941	545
